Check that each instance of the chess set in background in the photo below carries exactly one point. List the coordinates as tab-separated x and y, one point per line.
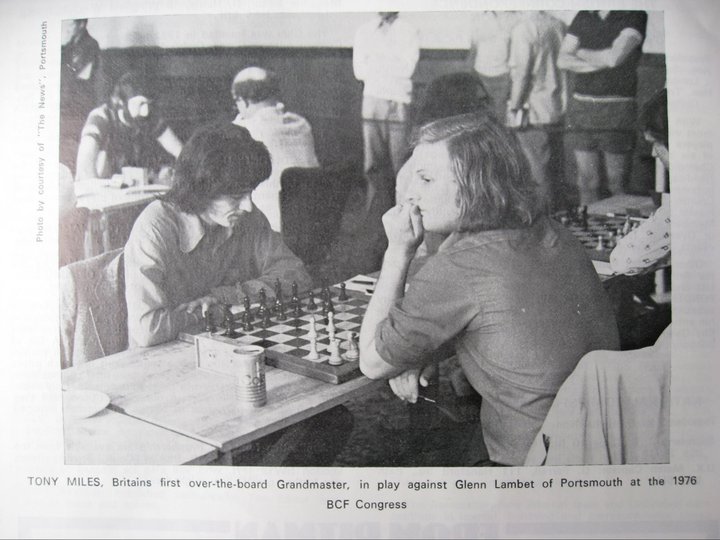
599	234
317	339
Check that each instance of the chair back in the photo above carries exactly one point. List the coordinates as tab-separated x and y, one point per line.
312	201
71	236
93	312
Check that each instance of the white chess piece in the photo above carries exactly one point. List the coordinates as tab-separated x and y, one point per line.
353	352
331	325
335	359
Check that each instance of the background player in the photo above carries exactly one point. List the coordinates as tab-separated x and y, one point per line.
514	291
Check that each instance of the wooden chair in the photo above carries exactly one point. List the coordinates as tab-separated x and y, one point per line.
312	201
93	313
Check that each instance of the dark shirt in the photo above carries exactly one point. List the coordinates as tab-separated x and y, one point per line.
522	307
122	145
595	34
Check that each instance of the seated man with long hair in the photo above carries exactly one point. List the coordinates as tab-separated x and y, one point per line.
205	239
513	291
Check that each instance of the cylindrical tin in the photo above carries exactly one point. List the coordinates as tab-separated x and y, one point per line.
250	368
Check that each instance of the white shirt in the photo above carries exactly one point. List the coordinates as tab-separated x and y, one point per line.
384	58
537	83
644	246
289	139
491	41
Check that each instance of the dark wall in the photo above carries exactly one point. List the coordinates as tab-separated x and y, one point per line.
192	86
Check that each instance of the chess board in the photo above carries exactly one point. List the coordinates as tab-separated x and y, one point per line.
598	227
287	343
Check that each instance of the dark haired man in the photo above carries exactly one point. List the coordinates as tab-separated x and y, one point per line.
287	136
125	131
190	250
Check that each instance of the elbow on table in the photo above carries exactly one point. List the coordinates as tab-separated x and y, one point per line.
370	371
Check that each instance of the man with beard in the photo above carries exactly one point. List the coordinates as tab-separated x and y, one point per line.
125	132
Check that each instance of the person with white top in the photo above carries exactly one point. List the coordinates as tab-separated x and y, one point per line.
287	135
385	53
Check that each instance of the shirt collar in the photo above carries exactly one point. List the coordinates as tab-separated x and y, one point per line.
192	229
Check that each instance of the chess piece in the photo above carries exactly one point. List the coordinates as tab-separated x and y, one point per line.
281	316
312	332
334	347
313	354
262	308
294	299
247	322
343	293
331	325
353	352
600	245
266	321
311	305
248	311
228	322
209	326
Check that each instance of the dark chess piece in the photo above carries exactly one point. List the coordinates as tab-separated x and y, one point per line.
343	292
209	326
248	311
262	308
228	322
266	321
247	322
311	305
281	316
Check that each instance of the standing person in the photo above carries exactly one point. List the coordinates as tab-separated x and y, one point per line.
603	49
125	131
80	59
537	97
287	136
489	55
385	53
513	291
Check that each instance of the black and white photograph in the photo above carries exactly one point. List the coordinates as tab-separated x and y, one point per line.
383	269
251	237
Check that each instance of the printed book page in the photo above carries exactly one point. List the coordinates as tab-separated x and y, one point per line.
149	442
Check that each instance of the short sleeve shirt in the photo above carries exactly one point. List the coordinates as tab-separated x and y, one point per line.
521	307
594	33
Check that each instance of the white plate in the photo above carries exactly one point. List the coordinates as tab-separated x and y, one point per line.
78	404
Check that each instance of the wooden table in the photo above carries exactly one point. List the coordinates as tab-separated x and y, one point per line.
112	212
103	439
162	386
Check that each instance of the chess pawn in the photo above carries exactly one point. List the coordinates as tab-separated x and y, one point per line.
248	311
335	359
353	352
600	244
281	316
228	322
343	293
311	305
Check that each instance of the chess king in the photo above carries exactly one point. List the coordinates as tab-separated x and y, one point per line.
511	289
188	251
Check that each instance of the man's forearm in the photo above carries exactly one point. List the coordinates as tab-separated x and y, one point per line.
388	289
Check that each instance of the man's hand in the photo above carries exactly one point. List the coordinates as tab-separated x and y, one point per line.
403	228
202	303
406	386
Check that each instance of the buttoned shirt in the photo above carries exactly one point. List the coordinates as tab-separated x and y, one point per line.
384	58
173	257
521	307
537	83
